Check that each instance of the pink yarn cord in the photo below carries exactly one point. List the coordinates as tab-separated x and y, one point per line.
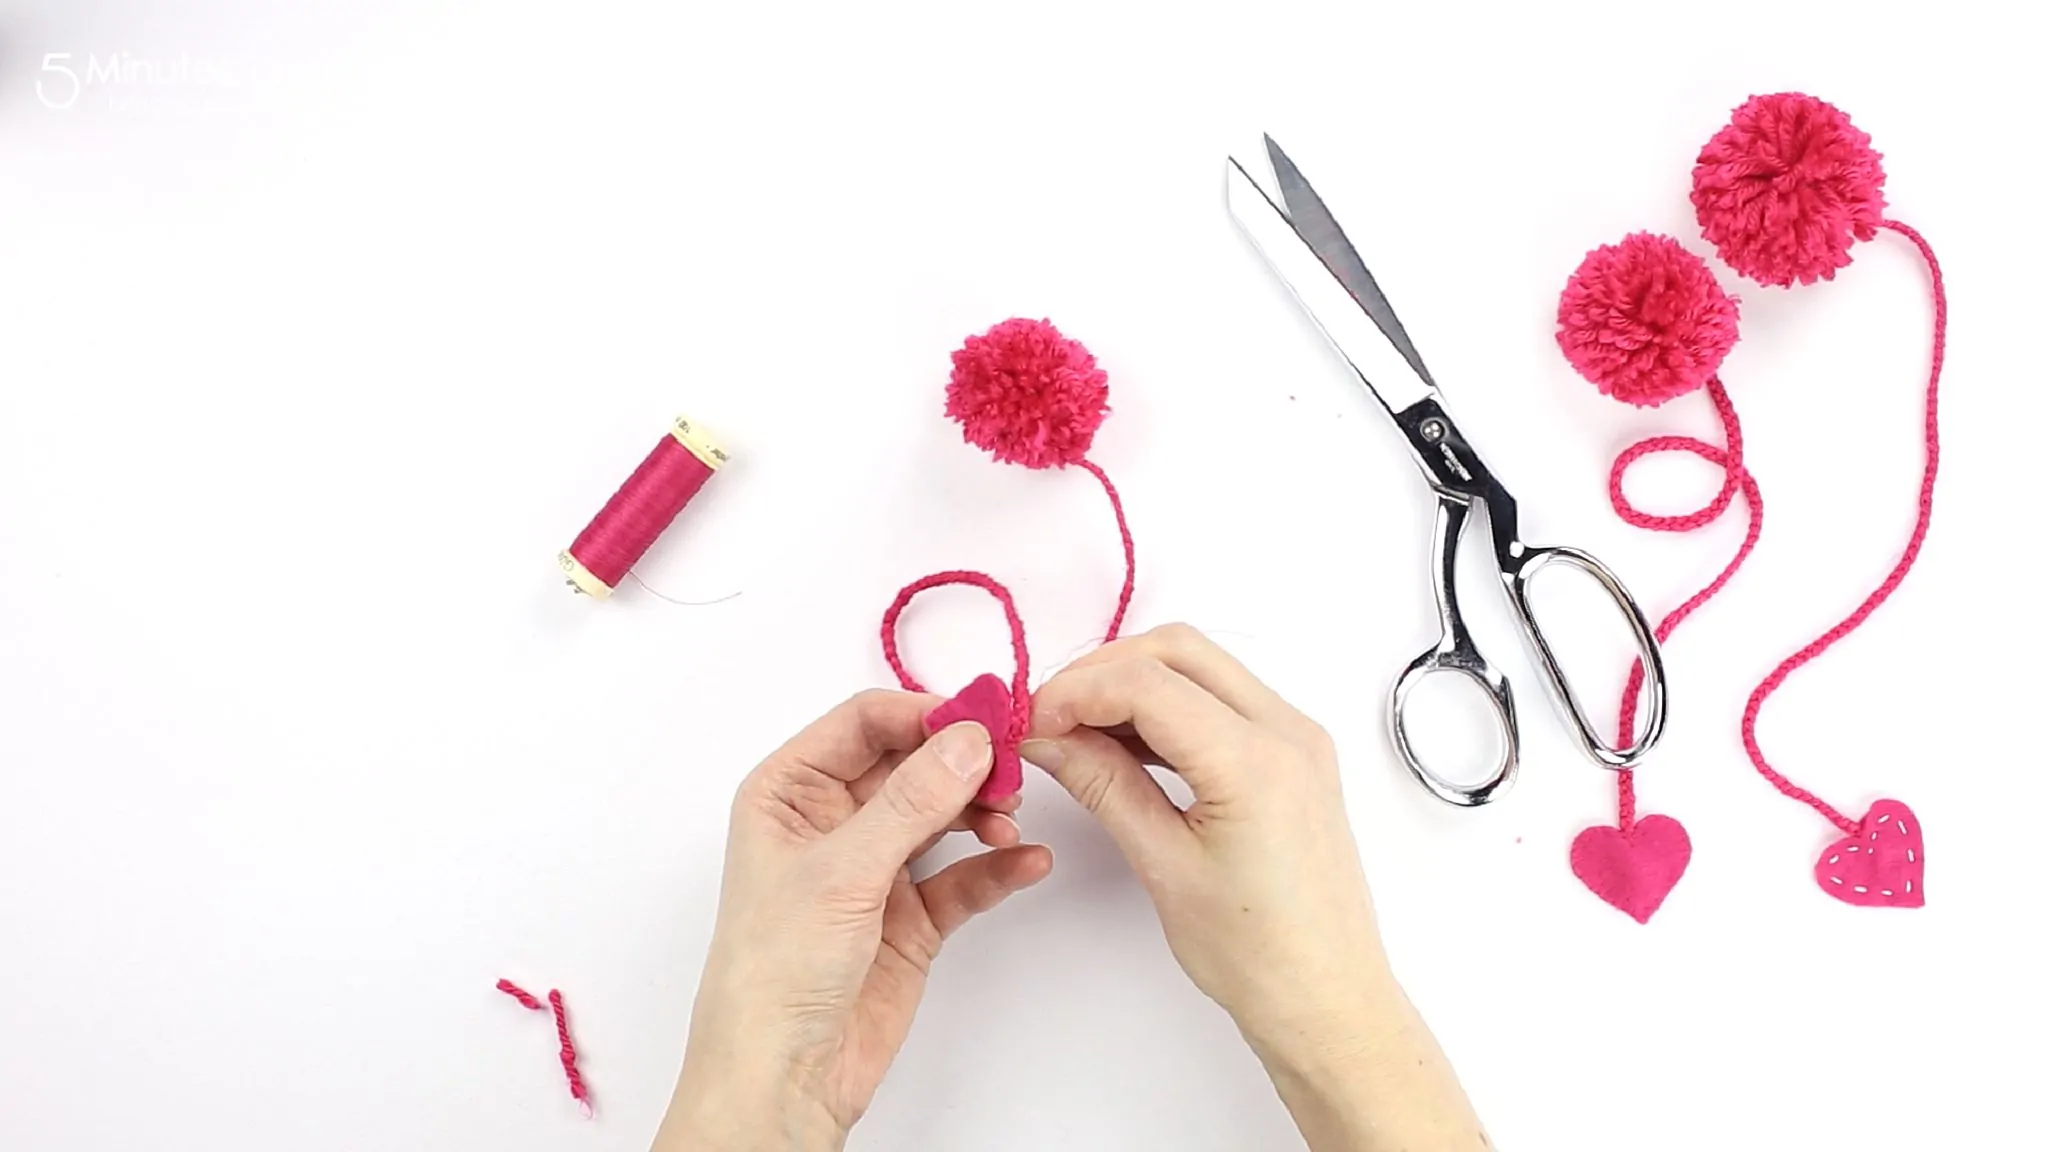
1891	583
524	997
1123	528
1736	477
1020	682
567	1051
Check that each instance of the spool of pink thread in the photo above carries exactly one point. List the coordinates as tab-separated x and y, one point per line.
677	468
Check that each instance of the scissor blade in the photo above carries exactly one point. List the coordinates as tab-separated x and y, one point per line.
1320	230
1379	364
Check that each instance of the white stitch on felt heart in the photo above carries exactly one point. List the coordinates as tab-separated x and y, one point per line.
1867	868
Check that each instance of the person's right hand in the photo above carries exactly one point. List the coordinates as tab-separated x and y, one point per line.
1257	883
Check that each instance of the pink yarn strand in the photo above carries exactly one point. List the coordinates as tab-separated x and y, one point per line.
1123	528
1736	478
568	1055
1020	682
1892	580
567	1051
524	997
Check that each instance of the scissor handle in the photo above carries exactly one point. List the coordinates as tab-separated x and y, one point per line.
1455	652
1516	571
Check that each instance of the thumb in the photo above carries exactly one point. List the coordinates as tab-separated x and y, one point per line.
920	799
1115	788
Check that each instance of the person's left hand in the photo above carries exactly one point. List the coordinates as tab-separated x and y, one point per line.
823	941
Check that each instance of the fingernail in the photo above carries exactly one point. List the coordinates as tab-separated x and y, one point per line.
1044	753
964	747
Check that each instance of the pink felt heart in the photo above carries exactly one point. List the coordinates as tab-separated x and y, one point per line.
1634	869
1881	865
986	701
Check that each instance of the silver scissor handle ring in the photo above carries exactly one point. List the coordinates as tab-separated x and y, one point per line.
1468	663
1517	580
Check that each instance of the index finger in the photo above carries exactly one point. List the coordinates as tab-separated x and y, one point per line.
1188	651
850	739
1196	733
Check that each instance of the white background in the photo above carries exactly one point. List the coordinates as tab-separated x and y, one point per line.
309	365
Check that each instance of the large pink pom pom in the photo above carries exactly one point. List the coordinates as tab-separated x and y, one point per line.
1027	394
1786	188
1644	320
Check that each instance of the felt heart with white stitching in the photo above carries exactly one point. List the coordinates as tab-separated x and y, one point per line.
1882	864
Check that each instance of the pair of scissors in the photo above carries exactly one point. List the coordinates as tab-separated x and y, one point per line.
1304	245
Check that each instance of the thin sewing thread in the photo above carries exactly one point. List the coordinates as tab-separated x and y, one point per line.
1736	477
659	595
1891	582
567	1052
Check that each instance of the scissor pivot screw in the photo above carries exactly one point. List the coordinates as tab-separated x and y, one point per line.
1432	429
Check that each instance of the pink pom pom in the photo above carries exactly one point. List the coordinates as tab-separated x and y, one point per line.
1028	394
1644	320
1785	189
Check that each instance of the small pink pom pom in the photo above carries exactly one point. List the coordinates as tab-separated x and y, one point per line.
1644	320
1028	394
1785	189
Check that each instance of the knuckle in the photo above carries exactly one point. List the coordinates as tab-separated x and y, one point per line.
753	795
758	804
867	701
1317	740
1149	673
1093	790
912	795
1179	636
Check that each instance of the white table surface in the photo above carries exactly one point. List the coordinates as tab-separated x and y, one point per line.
315	349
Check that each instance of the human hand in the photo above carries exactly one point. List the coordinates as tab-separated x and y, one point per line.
823	941
1257	883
